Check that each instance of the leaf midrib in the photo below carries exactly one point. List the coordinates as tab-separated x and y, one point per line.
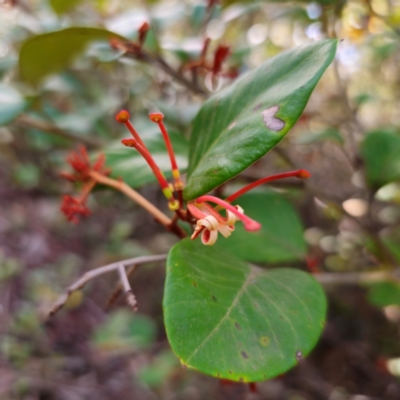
252	273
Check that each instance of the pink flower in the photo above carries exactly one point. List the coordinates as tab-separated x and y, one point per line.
210	221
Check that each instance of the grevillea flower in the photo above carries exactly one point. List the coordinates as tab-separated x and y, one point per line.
207	220
210	221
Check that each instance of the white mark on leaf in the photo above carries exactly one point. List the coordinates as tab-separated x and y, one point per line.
232	125
275	124
299	355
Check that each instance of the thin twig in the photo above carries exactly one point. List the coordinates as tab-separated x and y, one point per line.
55	130
118	289
118	266
134	195
142	55
143	202
130	297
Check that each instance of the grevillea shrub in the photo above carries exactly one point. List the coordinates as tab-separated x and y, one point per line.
223	316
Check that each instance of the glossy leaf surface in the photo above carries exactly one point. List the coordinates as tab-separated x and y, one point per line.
48	53
238	322
241	123
381	153
280	238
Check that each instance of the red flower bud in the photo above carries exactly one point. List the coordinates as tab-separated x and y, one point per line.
122	117
73	208
143	32
220	55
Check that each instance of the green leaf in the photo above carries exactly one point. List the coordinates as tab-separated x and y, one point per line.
234	321
241	123
49	53
384	294
381	153
128	164
280	238
63	6
12	103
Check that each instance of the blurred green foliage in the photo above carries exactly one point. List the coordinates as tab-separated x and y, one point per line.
350	208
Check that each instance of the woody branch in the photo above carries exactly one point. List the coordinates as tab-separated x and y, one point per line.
118	266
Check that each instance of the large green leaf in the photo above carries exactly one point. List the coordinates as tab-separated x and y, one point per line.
280	238
51	52
241	123
381	153
128	164
235	321
12	103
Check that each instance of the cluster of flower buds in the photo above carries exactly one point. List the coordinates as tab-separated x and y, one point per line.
215	68
75	207
137	143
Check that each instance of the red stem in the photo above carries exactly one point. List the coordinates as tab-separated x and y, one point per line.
158	118
168	143
87	188
123	118
135	134
146	155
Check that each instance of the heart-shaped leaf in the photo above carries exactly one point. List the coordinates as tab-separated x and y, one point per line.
280	238
128	164
241	123
381	153
48	53
234	321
